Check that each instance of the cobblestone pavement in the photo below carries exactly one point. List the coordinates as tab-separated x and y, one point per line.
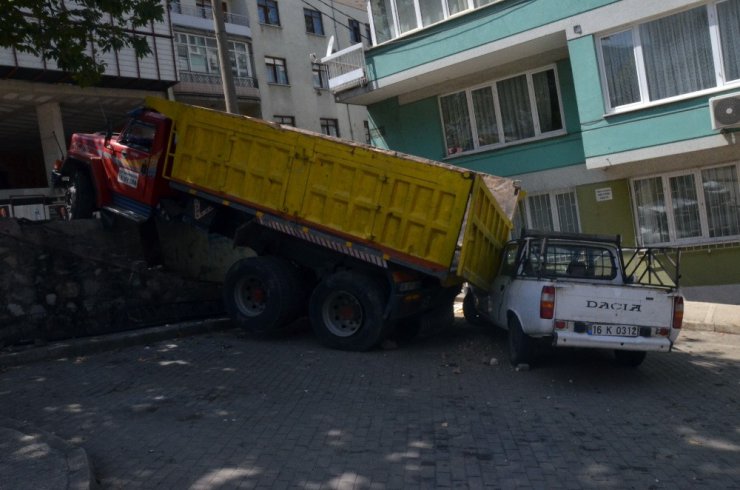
224	411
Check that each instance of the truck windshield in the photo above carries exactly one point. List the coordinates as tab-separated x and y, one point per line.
572	260
139	135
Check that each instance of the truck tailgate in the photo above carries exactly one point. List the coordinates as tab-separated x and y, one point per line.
613	304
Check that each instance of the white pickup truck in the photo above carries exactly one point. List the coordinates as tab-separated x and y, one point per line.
576	290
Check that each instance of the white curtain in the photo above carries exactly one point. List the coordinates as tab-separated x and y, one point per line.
723	201
567	211
678	54
455	6
729	28
651	212
541	213
431	11
485	116
458	135
382	20
516	109
685	206
406	15
621	72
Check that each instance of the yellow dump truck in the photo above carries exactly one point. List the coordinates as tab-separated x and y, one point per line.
368	241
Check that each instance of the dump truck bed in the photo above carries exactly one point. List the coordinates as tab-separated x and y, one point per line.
436	218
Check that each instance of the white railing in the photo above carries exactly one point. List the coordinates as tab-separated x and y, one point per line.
214	79
207	13
346	68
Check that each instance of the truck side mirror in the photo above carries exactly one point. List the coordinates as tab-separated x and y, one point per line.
108	135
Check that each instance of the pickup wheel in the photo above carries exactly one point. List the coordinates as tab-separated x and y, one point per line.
80	196
629	358
520	344
470	312
346	311
263	294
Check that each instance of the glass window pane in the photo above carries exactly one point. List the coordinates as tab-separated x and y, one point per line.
458	135
485	116
567	212
652	221
548	105
455	6
678	54
685	206
516	110
729	30
382	20
406	15
620	68
540	212
431	11
723	200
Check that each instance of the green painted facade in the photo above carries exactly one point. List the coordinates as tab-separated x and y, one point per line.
710	265
607	217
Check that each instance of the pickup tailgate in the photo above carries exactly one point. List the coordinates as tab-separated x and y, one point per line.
614	304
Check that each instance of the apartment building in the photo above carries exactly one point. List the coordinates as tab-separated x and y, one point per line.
40	107
274	46
618	116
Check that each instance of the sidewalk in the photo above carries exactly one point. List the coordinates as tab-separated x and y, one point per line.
712	317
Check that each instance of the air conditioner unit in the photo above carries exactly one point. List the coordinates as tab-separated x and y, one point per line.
725	111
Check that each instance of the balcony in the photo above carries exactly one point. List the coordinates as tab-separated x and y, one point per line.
202	18
346	68
196	83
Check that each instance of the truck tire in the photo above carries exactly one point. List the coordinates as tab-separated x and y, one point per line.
80	196
470	312
263	294
629	358
346	311
520	344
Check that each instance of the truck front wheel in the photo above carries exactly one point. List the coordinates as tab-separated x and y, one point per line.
630	358
346	311
263	294
80	196
520	344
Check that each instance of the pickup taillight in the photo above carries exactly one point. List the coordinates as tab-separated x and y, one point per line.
677	311
547	302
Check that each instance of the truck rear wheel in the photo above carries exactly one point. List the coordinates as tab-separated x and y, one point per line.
263	294
80	196
346	311
520	344
630	358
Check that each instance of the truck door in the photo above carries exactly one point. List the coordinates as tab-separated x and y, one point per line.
500	286
132	162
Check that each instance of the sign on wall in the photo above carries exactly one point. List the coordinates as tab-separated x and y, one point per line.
604	194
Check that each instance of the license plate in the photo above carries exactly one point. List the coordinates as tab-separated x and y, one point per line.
614	330
128	177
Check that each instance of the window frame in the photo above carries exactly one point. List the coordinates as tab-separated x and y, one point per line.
284	120
328	122
704	238
272	68
492	84
526	219
264	7
314	16
355	30
182	39
323	74
721	83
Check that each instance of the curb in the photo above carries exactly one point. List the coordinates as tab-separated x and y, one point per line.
92	345
79	468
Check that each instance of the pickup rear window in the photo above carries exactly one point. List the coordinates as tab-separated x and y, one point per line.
575	260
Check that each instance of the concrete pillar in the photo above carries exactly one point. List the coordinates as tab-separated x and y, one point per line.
51	129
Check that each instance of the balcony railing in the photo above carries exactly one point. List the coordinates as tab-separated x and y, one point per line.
207	13
346	68
215	79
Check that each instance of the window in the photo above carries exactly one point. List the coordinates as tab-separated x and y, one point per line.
199	55
391	18
508	111
277	72
287	120
139	135
672	56
355	32
314	24
320	76
330	127
554	211
688	206
268	12
368	135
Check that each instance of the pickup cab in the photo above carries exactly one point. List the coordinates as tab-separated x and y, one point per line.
577	290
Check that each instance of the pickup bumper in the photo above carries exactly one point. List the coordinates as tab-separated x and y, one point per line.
572	339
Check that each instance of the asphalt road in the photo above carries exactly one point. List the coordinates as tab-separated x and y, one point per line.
222	410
